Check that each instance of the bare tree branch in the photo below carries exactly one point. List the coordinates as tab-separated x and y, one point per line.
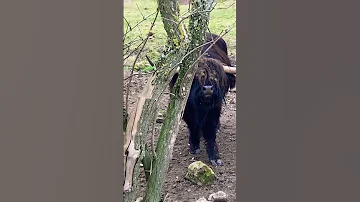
137	24
137	56
128	24
140	11
226	6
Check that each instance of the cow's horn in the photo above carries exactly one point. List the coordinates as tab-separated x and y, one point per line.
229	70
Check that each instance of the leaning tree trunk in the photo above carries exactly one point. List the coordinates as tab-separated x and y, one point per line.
197	28
182	51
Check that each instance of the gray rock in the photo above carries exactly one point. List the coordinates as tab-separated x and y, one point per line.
199	173
219	196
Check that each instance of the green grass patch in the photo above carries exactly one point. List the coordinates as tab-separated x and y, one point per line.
136	10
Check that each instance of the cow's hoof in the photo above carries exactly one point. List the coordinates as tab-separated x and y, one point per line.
216	162
195	151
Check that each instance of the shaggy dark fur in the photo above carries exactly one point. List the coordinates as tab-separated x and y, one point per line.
208	90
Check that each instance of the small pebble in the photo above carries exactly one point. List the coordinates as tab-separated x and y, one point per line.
219	196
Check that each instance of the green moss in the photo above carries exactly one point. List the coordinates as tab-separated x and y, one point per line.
175	42
201	174
153	54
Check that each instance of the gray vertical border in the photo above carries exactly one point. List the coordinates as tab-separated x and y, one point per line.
61	101
122	95
298	101
242	19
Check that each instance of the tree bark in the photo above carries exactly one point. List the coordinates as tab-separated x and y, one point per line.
197	26
169	10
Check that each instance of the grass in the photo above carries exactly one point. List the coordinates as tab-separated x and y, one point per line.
221	18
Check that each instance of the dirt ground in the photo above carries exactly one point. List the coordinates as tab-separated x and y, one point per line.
178	189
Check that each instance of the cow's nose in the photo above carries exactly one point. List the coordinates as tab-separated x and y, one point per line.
208	90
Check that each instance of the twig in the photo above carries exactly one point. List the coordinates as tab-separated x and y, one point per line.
137	56
127	24
226	7
153	138
136	74
128	44
200	46
165	197
140	33
226	31
196	12
140	10
140	22
133	51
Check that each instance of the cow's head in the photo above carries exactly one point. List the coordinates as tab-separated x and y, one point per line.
210	84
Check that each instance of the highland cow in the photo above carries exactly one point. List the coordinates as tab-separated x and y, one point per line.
209	88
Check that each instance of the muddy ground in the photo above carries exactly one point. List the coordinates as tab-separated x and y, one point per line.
178	189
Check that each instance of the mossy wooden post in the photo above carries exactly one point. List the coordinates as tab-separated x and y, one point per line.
197	27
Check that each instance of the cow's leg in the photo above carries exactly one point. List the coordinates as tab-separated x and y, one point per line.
194	138
209	132
194	131
194	141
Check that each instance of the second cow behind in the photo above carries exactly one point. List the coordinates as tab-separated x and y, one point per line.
209	88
